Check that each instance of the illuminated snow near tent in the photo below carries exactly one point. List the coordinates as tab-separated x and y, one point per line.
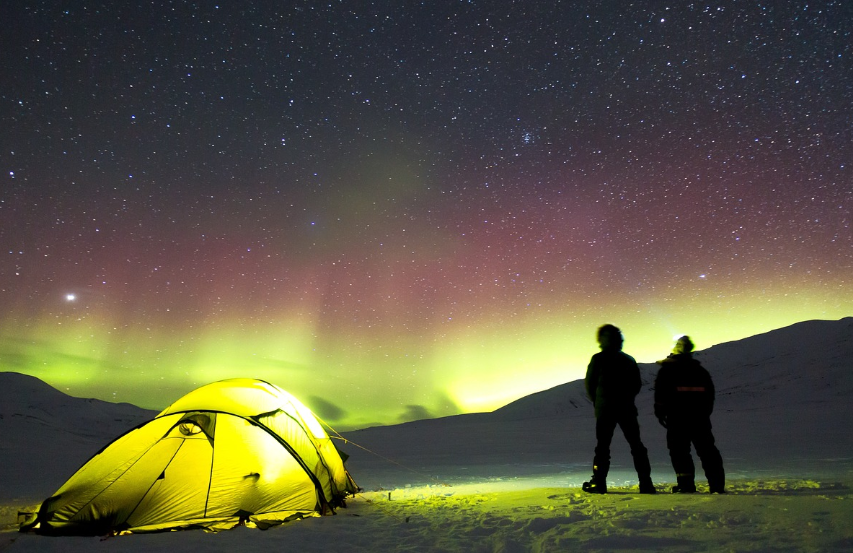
238	451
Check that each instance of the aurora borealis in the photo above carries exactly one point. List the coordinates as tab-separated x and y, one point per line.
398	210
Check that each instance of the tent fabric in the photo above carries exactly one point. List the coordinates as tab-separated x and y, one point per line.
238	451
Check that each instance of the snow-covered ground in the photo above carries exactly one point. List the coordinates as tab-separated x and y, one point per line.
509	480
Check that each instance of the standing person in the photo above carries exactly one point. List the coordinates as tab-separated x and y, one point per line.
684	400
612	382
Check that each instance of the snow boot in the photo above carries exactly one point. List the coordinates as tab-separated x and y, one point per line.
596	484
646	486
717	481
717	488
685	485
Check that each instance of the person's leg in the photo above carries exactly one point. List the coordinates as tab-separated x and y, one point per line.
678	443
631	429
709	455
604	427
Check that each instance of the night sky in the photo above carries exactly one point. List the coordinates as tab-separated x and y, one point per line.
398	210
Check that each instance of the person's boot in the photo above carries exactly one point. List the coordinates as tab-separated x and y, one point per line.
594	486
716	486
646	486
716	480
685	485
598	482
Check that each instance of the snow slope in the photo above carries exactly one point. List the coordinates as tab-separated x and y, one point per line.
47	435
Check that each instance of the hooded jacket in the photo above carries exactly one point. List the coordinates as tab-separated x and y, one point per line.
612	382
683	389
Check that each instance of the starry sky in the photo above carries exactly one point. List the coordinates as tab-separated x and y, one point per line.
400	209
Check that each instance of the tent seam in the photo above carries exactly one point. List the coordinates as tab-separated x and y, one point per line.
141	499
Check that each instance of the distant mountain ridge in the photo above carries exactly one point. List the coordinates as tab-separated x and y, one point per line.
49	433
813	360
24	397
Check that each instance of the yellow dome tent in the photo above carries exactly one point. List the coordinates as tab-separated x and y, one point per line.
238	451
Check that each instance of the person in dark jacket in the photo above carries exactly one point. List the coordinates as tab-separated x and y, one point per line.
612	382
684	401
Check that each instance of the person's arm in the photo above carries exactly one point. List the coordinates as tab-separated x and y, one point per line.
638	380
710	391
661	388
591	380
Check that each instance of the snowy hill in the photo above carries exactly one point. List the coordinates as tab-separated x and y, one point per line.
29	399
47	434
809	362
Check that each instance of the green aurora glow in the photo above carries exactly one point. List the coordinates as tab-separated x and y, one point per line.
354	378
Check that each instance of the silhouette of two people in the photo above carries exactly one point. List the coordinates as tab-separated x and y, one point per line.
684	400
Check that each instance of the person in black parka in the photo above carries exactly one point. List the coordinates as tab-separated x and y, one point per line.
684	400
612	382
